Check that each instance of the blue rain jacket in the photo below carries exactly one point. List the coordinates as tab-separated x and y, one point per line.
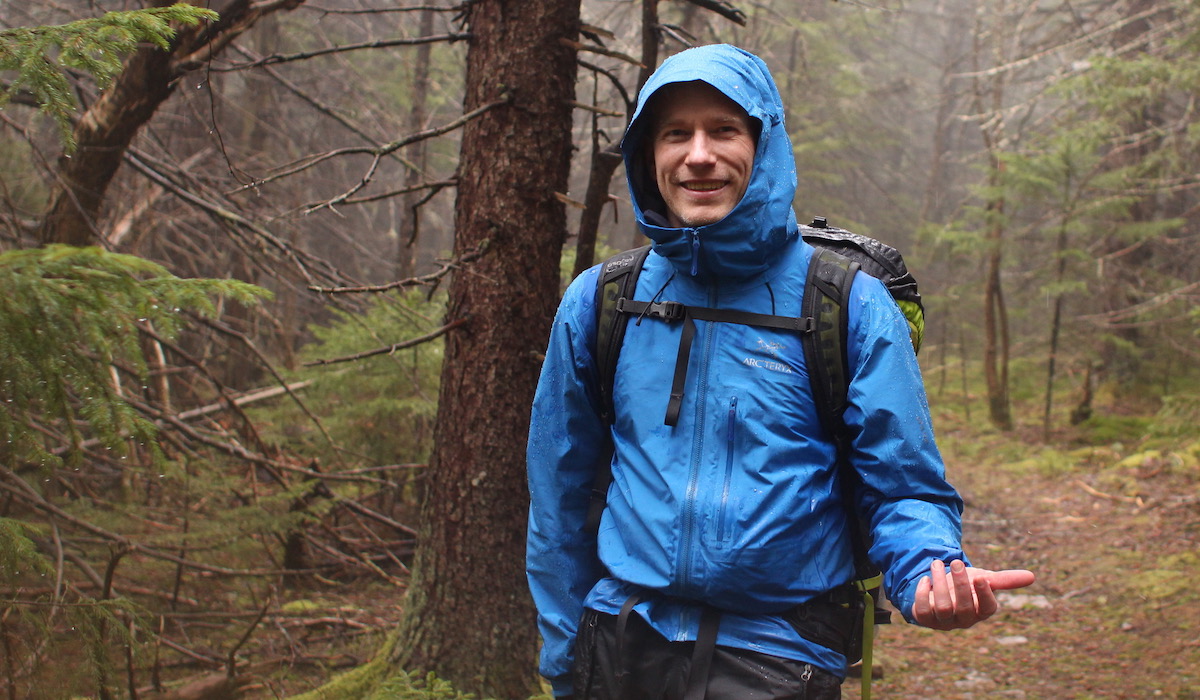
737	506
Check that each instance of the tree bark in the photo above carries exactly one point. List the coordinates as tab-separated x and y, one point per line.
468	616
109	125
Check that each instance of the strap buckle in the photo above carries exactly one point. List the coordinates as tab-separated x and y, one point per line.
665	310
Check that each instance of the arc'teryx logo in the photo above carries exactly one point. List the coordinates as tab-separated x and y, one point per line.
773	349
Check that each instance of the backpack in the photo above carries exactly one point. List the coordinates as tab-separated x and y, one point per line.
822	326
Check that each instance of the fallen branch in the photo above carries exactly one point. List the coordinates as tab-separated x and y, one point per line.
1136	500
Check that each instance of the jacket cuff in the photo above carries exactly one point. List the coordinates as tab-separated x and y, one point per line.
562	686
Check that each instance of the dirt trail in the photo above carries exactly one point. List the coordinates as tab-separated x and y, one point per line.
1115	612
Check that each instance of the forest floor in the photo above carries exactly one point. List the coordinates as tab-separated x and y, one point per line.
1115	612
1111	532
1110	528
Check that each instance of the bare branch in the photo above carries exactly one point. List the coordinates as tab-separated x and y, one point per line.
1158	300
722	8
243	399
433	187
424	280
276	59
597	110
392	348
386	10
16	486
1085	39
602	51
387	149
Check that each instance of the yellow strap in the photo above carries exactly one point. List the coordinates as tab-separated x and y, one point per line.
868	637
867	585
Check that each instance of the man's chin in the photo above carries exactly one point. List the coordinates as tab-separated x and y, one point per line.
698	220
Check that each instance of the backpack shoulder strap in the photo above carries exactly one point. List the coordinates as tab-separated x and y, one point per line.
617	281
826	301
826	298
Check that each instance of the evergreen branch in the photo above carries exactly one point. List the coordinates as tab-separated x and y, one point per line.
42	56
69	315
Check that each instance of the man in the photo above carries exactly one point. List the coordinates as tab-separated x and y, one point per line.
733	504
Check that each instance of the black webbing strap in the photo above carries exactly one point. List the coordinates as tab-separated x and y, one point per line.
681	367
622	661
618	279
702	653
671	311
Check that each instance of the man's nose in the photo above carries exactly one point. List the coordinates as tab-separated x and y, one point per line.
700	151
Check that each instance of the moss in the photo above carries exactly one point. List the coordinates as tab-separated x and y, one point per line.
1048	462
360	682
1109	429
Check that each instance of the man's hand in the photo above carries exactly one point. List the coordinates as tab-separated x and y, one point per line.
964	596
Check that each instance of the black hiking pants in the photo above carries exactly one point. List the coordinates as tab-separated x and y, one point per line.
654	668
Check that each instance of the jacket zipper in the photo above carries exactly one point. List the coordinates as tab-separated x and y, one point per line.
693	487
723	525
695	251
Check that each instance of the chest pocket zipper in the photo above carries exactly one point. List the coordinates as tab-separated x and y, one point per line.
725	513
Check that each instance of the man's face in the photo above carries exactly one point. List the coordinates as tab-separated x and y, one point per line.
703	152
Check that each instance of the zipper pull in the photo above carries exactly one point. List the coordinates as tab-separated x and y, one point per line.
695	252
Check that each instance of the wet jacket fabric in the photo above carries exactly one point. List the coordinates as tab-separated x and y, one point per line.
737	506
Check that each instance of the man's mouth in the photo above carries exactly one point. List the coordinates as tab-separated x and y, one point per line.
703	186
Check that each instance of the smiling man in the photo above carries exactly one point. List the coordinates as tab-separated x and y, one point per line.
703	145
722	564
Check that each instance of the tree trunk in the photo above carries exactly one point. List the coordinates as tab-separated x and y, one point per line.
102	137
995	315
1060	273
109	125
410	219
468	615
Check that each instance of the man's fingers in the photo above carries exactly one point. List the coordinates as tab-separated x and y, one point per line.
964	597
958	596
988	605
921	604
943	601
1009	579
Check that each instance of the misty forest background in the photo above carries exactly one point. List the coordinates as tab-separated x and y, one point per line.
276	286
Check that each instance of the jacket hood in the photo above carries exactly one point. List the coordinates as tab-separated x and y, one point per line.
750	237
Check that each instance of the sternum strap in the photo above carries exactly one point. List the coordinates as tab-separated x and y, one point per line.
673	311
